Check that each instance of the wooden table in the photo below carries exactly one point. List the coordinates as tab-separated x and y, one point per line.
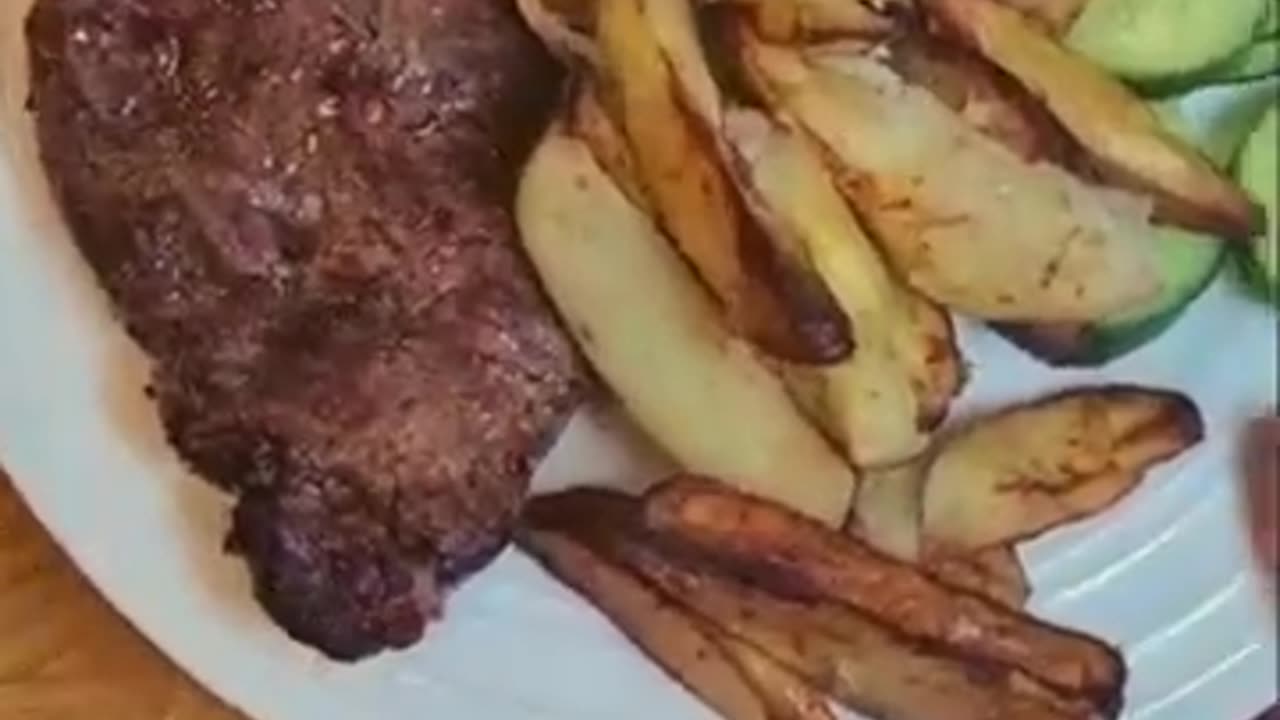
66	655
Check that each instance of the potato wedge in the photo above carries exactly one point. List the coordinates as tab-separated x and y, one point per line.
1024	471
886	513
564	26
1054	17
789	21
589	121
679	643
983	95
887	516
657	339
996	573
783	552
769	296
880	404
873	668
1122	134
571	532
963	219
785	694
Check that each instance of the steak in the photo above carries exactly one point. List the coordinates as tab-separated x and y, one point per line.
301	211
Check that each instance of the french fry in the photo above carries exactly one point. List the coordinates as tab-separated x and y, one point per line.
880	404
1123	135
655	337
769	294
782	551
963	219
1024	471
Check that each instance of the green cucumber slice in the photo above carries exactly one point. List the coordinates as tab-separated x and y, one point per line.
1216	119
1258	171
1259	59
1152	39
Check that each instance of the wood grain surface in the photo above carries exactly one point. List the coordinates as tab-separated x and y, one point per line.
66	655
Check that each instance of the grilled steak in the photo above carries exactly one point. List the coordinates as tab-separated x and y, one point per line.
300	209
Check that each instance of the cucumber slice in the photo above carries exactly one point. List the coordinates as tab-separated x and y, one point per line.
1152	39
1259	172
1188	265
1259	59
1216	119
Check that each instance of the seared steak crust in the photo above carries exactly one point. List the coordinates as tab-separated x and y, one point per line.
300	209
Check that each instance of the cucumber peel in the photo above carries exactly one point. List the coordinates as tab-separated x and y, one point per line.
1154	39
1257	171
1217	120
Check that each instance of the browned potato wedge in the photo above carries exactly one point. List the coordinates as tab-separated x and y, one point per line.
1027	470
1123	135
962	218
887	516
785	694
886	513
770	296
808	20
571	534
996	573
589	121
878	669
658	340
1055	17
880	404
564	26
680	644
786	553
983	95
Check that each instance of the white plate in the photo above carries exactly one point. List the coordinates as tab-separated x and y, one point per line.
1167	575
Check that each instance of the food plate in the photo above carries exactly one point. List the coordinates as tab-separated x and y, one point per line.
1167	575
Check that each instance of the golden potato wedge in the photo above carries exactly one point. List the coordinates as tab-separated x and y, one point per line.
785	553
657	339
769	296
996	573
589	121
878	669
983	95
564	26
1126	140
886	513
1022	472
572	533
963	219
881	403
789	21
785	694
887	516
1054	17
679	643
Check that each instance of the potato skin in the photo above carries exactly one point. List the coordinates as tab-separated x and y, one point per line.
656	338
1028	469
781	550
